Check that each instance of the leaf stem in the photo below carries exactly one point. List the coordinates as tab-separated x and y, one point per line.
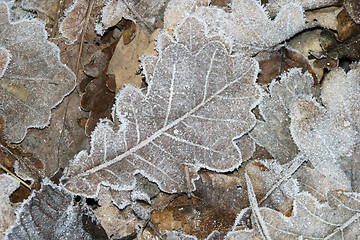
12	174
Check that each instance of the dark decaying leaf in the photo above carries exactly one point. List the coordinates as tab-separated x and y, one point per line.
218	199
347	28
353	8
333	51
98	88
51	213
198	102
274	63
25	165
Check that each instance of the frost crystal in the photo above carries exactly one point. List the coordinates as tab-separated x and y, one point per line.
199	100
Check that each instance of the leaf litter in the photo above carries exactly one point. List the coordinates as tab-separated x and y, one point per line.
319	175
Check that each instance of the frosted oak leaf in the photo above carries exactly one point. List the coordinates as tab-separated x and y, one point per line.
34	81
337	218
274	133
250	27
198	101
330	132
273	6
147	12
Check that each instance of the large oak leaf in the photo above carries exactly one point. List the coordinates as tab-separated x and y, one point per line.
198	102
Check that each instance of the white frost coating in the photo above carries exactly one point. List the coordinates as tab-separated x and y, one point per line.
318	134
48	214
8	185
251	27
338	218
148	12
179	9
211	100
274	133
35	81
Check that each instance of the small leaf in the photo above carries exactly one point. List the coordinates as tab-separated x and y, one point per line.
50	214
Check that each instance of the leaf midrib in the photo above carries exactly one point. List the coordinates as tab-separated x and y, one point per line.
162	130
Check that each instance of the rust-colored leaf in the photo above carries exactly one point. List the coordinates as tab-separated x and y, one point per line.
274	63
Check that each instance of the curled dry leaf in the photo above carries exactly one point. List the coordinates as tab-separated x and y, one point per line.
338	218
273	63
35	80
147	12
274	133
51	214
251	28
8	185
197	104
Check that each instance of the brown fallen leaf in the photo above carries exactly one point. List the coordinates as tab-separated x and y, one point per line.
215	205
273	63
125	62
98	88
347	28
